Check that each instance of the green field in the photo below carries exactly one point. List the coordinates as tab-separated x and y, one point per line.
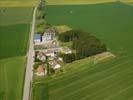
15	15
12	78
105	81
17	3
111	22
14	35
70	2
14	31
110	80
15	39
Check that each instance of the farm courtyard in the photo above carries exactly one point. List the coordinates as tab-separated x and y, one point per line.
109	80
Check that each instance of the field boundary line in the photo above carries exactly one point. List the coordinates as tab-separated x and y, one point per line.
92	84
123	90
108	86
98	72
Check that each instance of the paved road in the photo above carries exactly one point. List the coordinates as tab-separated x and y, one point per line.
30	61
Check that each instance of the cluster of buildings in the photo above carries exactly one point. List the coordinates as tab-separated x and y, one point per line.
52	59
48	35
50	48
47	39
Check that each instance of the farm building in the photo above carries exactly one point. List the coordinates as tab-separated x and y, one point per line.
37	38
54	64
40	71
50	53
66	50
41	56
44	53
48	34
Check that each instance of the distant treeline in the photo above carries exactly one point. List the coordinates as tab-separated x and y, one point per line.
83	43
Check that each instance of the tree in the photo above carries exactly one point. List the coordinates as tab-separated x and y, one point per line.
39	14
69	35
84	44
41	23
41	5
68	58
36	59
48	67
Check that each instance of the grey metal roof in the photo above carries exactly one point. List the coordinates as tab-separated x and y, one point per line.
37	36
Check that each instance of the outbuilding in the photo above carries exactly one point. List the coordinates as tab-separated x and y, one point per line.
40	71
48	34
37	38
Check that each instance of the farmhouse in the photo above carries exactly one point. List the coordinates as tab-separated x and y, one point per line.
48	34
37	38
50	53
41	56
40	71
54	64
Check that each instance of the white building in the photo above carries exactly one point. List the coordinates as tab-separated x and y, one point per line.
66	50
48	34
54	64
50	53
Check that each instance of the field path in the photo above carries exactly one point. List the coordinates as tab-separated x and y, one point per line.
30	61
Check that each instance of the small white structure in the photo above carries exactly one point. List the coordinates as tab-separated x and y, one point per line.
60	59
40	71
54	64
57	66
66	50
50	54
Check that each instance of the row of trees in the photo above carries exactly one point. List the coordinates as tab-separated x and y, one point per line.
83	43
69	35
41	22
68	58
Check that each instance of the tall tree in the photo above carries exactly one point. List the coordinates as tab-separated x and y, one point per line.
41	4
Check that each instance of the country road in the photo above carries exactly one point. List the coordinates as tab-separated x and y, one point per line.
30	60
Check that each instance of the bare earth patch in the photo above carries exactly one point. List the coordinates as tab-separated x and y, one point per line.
63	28
103	56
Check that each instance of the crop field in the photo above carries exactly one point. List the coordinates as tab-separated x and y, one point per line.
14	35
14	28
69	2
12	78
15	38
110	80
15	15
111	22
17	3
